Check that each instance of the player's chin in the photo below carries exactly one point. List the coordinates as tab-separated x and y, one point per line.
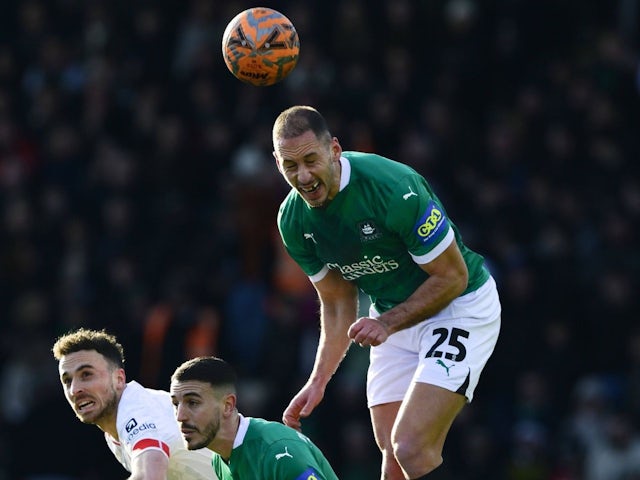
314	199
193	441
88	418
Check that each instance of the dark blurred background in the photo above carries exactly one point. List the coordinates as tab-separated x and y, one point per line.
138	194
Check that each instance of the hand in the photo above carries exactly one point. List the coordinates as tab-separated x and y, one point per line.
302	405
367	331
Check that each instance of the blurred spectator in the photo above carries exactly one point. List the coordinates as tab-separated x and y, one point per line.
615	454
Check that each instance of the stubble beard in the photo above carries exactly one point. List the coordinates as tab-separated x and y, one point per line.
208	435
109	410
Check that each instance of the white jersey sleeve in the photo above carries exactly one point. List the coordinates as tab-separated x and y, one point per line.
146	420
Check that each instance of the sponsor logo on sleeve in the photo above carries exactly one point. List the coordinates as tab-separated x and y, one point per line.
131	424
431	224
309	474
134	429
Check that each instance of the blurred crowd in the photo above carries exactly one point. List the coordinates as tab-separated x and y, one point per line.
138	194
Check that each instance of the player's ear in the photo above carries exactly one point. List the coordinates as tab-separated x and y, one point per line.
230	403
277	161
336	149
121	377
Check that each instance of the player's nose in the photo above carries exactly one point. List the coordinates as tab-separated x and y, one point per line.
74	388
180	415
304	175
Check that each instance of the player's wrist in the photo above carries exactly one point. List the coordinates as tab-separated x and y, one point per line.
319	380
385	323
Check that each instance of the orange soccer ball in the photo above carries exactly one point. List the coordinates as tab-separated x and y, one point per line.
260	46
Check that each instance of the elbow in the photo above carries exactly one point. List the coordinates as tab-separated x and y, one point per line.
461	280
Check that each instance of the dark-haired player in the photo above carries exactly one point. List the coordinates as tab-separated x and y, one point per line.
204	393
361	221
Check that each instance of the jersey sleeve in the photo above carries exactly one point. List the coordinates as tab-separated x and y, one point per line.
298	247
417	216
145	427
291	460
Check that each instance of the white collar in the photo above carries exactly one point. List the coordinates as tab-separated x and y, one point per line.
242	430
345	174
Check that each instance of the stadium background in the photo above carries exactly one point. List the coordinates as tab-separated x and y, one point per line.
137	193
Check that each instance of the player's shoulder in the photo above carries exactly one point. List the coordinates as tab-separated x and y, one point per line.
264	424
270	430
291	211
374	162
142	405
384	180
289	201
138	394
383	171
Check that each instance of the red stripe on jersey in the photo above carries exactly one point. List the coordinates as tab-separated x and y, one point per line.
152	442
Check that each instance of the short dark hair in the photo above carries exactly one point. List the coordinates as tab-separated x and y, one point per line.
212	370
295	121
86	339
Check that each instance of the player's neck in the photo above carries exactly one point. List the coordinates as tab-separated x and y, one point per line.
109	426
223	442
336	182
108	423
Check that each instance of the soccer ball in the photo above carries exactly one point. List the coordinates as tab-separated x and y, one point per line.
260	46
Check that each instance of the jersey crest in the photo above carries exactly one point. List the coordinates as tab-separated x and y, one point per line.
369	231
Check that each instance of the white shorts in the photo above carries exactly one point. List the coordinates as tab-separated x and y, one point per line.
448	350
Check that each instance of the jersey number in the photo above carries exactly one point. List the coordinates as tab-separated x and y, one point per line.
454	341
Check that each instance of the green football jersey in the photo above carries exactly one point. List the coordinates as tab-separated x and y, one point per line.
385	220
221	468
265	450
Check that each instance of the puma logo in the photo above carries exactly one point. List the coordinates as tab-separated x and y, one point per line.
308	236
283	454
409	194
441	363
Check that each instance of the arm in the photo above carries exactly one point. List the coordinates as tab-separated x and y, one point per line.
338	310
149	465
289	459
448	277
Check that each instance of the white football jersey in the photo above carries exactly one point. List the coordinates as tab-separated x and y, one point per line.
146	420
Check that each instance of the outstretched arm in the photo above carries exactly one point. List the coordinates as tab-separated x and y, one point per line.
338	310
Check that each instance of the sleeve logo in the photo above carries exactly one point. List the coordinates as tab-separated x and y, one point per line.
131	424
431	223
134	429
309	474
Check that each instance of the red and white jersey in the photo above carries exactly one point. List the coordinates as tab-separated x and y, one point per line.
146	420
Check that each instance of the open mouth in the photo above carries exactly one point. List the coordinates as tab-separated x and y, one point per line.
81	406
312	188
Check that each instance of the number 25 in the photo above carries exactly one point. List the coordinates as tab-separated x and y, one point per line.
454	341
